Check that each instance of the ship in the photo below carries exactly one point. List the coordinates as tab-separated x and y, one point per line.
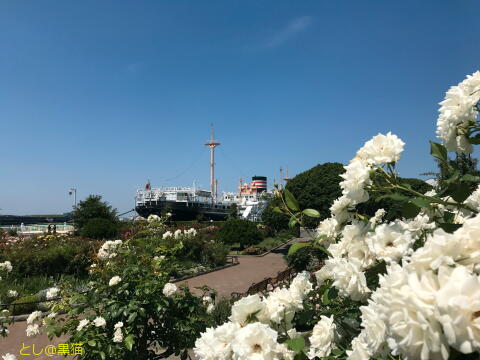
191	203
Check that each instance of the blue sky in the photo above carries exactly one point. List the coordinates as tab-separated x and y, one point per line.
103	95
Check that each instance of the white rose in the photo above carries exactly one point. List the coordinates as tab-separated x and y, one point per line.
99	321
321	340
215	343
169	289
114	280
251	305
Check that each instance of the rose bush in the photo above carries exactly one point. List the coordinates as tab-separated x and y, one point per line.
405	289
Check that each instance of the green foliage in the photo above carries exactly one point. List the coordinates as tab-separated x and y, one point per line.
49	255
239	231
93	208
394	205
151	320
222	311
18	308
99	229
274	219
233	211
317	188
305	258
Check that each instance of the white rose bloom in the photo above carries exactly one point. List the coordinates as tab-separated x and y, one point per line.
215	343
118	325
340	207
107	251
6	266
467	237
281	306
258	341
353	245
114	280
325	273
246	307
82	324
153	218
329	228
458	305
177	234
99	321
117	335
210	308
417	225
356	178
33	316
169	289
389	242
347	277
378	216
12	293
474	199
321	340
167	234
9	356
381	149
407	301
440	249
359	350
33	330
301	284
374	329
52	293
457	112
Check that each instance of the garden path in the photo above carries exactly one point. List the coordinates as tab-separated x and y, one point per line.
251	269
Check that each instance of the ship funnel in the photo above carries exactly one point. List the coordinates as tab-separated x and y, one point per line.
259	183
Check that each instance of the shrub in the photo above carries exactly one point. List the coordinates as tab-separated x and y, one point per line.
93	208
99	228
305	258
17	308
239	231
49	257
216	253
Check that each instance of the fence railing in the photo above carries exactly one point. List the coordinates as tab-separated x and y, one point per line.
268	284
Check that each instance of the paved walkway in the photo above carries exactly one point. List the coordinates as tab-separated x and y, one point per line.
251	269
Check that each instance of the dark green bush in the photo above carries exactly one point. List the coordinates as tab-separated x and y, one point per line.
93	208
305	258
99	229
238	231
24	308
216	253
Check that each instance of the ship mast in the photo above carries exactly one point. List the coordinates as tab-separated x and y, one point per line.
212	145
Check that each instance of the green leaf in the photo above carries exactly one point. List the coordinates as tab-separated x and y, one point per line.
421	203
438	151
475	140
92	343
460	191
294	247
296	344
450	228
292	222
393	196
292	203
102	355
325	298
410	210
337	352
277	210
311	212
471	178
129	341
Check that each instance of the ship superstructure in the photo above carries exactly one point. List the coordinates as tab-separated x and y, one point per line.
191	203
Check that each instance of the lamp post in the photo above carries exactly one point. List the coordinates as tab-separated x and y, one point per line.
74	192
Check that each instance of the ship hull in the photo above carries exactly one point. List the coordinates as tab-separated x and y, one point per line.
184	211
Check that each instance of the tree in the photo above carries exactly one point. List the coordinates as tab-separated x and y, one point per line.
93	208
314	189
233	211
